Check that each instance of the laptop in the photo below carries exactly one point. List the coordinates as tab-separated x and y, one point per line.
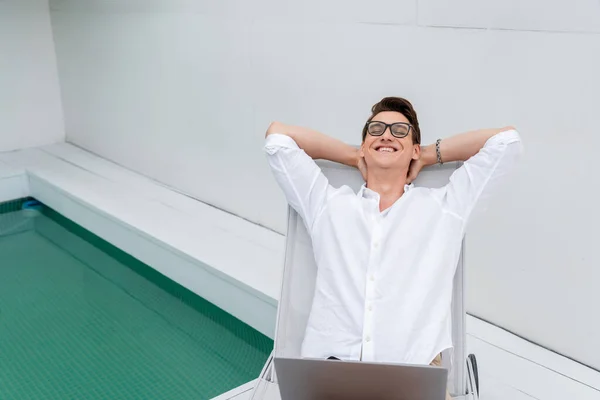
311	379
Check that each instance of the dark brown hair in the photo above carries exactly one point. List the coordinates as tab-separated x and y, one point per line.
402	106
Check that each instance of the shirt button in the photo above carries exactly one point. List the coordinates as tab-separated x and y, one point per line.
371	278
368	339
370	308
376	244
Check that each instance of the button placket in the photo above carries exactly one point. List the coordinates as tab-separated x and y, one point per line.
370	286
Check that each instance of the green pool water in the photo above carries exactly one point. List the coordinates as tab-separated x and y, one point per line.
80	319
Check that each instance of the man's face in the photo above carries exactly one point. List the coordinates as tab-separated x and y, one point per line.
387	151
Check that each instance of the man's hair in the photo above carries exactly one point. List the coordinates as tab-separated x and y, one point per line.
402	106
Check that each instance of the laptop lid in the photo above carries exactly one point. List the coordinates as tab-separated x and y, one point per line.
310	379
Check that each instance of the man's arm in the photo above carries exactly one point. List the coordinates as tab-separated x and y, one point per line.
317	145
460	147
488	155
291	152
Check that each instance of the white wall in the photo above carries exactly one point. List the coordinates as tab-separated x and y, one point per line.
183	91
30	107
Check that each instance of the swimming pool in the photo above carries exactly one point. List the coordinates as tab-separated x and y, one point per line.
80	319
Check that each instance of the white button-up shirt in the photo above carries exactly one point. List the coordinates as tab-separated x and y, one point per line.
384	279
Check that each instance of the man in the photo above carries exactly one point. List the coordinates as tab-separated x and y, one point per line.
386	256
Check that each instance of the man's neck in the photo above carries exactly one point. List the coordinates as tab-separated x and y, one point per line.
390	187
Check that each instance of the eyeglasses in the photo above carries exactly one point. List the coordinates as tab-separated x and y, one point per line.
398	129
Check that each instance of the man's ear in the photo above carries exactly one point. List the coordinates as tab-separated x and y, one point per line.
362	149
416	152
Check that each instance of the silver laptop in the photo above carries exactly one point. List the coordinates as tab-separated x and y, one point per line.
310	379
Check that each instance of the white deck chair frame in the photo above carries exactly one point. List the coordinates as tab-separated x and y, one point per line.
298	288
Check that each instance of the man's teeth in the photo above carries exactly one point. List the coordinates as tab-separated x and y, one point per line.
388	149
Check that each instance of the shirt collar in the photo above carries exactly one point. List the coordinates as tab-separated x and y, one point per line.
371	194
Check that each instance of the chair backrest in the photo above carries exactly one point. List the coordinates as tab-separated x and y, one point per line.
299	275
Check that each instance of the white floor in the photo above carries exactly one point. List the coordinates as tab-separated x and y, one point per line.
191	242
511	368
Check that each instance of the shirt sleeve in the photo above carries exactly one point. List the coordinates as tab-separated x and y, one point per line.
472	184
302	181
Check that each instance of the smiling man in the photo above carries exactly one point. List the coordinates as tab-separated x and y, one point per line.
386	256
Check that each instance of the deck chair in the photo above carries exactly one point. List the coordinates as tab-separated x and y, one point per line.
298	286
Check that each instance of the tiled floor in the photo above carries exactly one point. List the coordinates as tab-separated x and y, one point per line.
82	320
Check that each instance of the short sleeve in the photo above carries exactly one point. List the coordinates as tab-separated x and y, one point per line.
302	181
476	179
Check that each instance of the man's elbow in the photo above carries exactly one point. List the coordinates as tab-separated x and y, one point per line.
275	127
